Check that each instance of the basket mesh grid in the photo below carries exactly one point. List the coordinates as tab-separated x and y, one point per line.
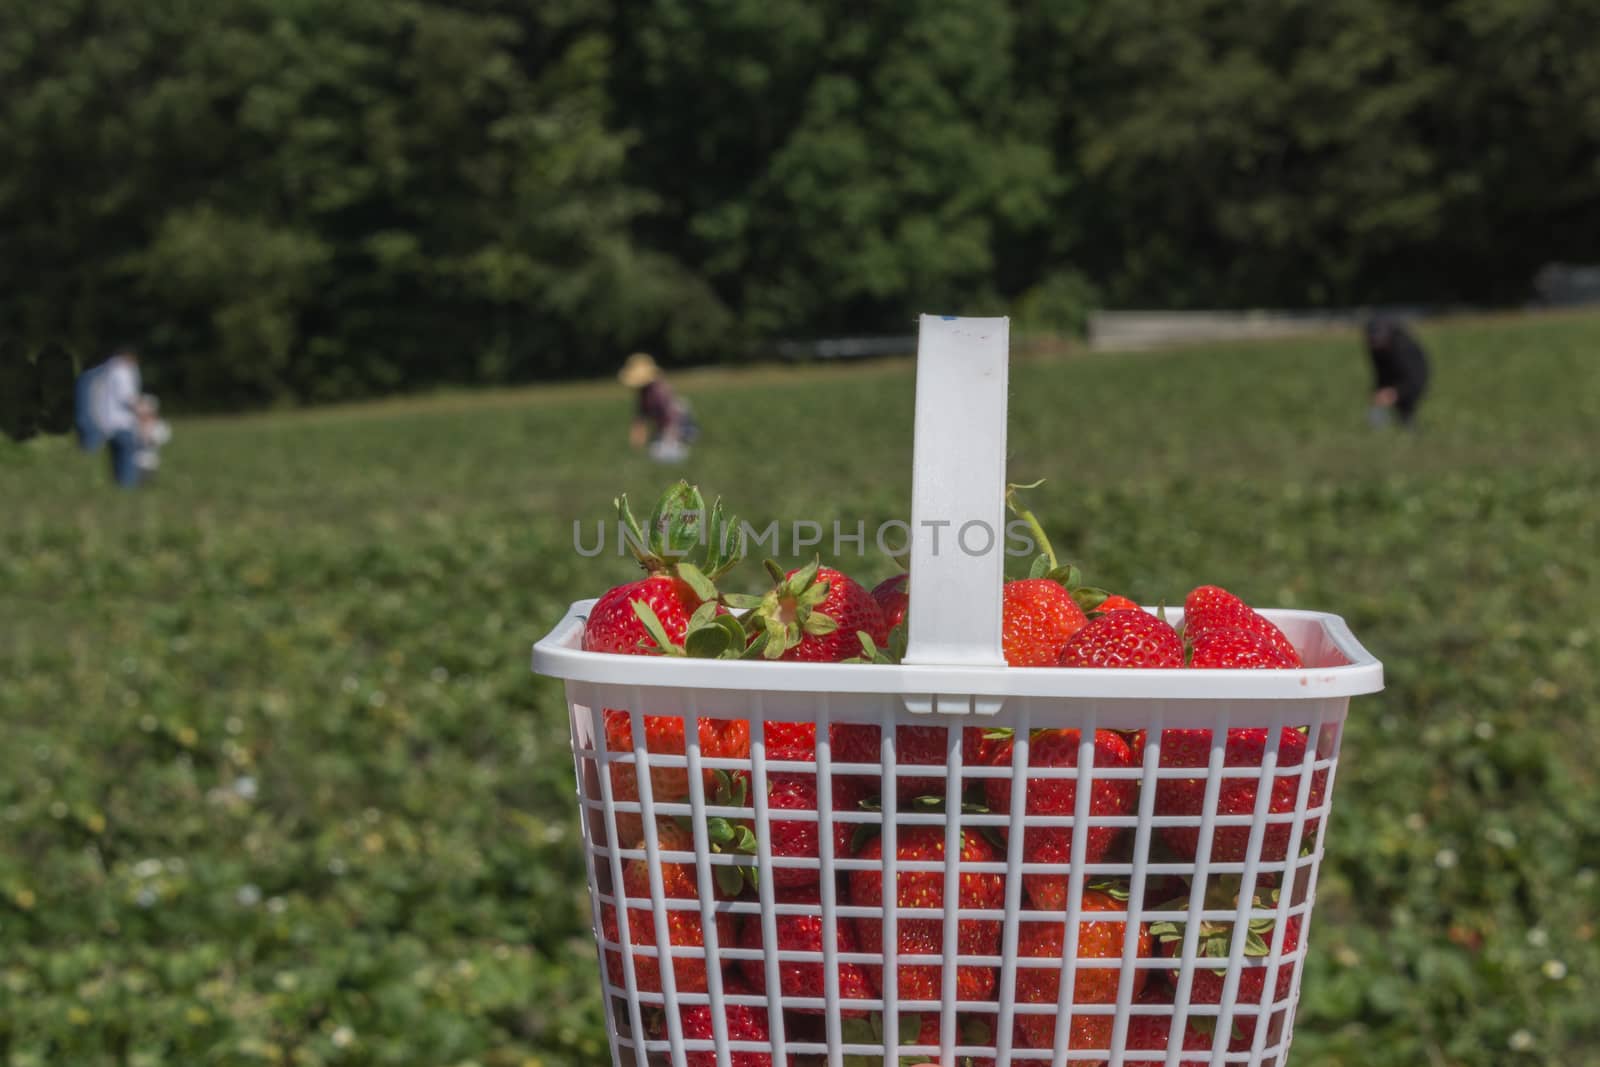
634	838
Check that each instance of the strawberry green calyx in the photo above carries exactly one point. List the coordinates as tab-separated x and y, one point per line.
678	526
788	612
1046	565
871	1031
871	653
728	837
1117	891
1216	935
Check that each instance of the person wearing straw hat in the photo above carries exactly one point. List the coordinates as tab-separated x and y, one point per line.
662	422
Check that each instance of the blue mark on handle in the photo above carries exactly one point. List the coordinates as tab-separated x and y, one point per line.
949	318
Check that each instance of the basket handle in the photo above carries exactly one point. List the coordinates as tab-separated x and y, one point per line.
958	492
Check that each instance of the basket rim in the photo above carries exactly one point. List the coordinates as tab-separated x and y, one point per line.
559	654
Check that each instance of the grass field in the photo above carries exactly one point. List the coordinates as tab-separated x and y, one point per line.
276	786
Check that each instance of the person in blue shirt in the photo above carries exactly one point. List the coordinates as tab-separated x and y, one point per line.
109	413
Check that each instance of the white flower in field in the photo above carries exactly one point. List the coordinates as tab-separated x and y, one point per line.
245	787
343	1037
440	675
1538	938
1521	1041
1416	823
147	898
248	896
1445	858
1484	729
147	868
1585	877
378	698
1555	970
1500	836
337	866
350	684
276	905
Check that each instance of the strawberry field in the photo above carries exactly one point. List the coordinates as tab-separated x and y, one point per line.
277	786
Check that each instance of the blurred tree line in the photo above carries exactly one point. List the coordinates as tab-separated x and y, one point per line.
313	199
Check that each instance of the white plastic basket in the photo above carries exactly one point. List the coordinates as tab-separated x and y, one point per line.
954	678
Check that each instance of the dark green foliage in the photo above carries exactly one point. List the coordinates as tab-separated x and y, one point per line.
303	200
337	606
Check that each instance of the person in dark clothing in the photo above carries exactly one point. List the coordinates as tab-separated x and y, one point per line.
1399	370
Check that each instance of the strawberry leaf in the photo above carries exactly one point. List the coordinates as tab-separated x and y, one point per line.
819	625
725	543
898	638
1065	575
738	640
1039	568
706	642
658	639
730	880
1089	598
1115	890
703	615
696	579
677	525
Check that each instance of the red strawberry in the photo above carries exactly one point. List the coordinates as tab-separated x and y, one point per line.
794	838
1153	1033
1115	602
614	624
1210	607
981	746
1038	618
915	746
1058	796
684	928
1228	647
664	735
1235	796
1097	940
803	933
796	741
813	614
893	597
925	936
1216	942
1124	639
743	1024
655	614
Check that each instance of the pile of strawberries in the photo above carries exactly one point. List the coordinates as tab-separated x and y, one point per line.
819	614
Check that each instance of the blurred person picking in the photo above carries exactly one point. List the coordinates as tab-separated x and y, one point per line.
109	403
662	423
1399	370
